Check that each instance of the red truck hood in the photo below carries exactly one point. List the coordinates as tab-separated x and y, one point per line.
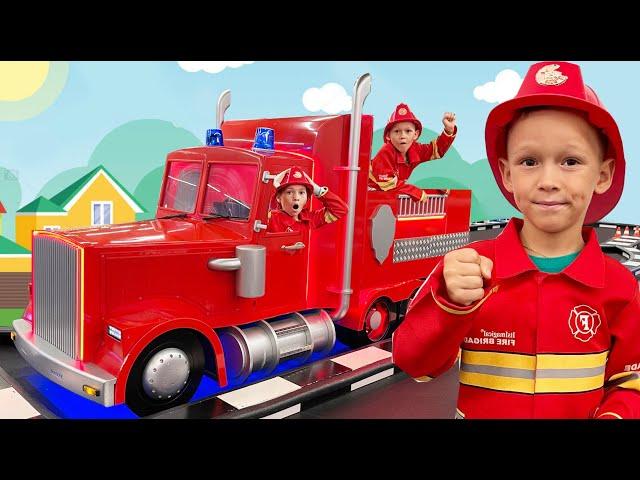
153	232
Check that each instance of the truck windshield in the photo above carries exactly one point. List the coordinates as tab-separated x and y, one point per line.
181	188
230	189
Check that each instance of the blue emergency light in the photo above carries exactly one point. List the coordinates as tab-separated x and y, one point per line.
264	138
214	138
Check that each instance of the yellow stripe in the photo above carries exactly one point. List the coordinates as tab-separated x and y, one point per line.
435	217
529	385
329	217
529	363
496	359
610	413
572	361
388	185
464	312
55	235
494	382
435	155
632	384
542	362
562	385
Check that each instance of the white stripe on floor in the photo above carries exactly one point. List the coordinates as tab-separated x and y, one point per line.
287	412
259	393
619	243
361	358
372	378
14	406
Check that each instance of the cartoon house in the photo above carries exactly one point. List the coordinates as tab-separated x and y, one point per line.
15	273
97	198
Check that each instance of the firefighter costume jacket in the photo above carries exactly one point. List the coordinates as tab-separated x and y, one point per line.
334	209
537	345
389	170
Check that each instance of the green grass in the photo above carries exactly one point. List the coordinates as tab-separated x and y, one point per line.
8	315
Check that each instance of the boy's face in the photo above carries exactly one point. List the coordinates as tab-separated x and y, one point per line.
292	199
402	135
554	166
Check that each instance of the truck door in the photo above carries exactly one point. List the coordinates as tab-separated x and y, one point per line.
286	275
287	259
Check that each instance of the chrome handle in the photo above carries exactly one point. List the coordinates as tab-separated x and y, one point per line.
258	225
224	264
295	246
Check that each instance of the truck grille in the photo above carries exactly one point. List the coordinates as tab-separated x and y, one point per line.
56	269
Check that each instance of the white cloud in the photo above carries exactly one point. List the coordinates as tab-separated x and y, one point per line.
504	87
330	98
210	67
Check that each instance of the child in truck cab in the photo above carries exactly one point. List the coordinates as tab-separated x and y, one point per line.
401	153
293	190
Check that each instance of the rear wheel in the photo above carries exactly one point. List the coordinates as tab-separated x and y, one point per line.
166	373
377	320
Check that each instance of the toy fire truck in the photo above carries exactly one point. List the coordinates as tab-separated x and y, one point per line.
137	312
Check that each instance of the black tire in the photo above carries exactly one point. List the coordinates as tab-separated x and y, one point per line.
356	339
138	400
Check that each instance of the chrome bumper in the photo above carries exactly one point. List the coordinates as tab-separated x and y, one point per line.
62	369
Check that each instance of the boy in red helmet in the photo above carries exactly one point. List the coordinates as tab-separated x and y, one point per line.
546	324
401	153
293	190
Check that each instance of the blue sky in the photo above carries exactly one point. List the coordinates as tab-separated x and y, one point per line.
100	96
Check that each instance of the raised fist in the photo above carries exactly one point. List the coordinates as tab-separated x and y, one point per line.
464	271
449	122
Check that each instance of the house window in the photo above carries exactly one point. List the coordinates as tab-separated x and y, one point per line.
51	228
101	213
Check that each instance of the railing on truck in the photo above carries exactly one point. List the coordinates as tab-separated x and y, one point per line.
435	206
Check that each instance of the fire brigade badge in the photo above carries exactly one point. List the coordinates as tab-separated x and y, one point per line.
584	322
550	75
297	175
402	111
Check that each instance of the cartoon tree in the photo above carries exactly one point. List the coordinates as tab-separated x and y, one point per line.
133	153
10	195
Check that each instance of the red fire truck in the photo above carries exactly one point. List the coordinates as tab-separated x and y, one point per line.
137	312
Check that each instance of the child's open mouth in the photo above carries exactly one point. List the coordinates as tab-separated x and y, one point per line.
295	206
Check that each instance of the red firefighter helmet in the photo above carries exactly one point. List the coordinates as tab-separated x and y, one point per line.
292	176
402	114
558	84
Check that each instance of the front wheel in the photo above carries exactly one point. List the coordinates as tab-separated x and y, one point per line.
166	373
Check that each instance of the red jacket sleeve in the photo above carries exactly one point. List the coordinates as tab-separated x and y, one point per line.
414	192
428	340
334	209
622	395
436	148
383	174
